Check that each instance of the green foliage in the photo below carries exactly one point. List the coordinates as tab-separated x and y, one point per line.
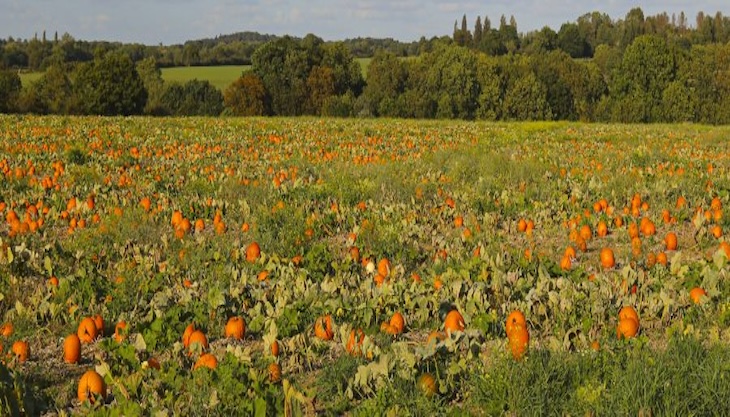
10	87
109	86
246	96
194	98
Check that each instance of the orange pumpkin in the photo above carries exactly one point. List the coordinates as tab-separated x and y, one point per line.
607	259
354	342
628	312
120	331
91	385
454	322
253	252
198	338
235	328
627	328
670	241
21	350
696	294
186	334
72	348
87	330
515	318
206	360
384	267
323	328
398	322
519	339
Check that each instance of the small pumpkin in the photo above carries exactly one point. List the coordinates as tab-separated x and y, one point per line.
627	328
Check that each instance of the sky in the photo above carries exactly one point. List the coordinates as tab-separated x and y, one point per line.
174	21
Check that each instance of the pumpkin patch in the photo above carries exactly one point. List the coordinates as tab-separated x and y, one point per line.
422	267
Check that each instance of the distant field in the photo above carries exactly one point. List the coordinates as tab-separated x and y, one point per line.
220	76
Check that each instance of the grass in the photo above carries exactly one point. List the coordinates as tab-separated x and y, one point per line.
220	76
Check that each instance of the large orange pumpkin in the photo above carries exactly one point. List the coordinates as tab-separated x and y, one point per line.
235	328
87	330
91	385
454	322
72	348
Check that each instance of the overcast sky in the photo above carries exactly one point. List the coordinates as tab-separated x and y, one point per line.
175	21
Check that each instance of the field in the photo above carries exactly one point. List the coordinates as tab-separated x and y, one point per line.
220	76
362	267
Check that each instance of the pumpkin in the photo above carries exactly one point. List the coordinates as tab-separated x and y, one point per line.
197	338
515	318
454	322
427	384
235	328
398	322
72	348
274	372
120	331
206	360
91	385
627	328
7	329
384	267
323	328
21	350
253	252
99	322
519	339
186	334
87	330
354	342
670	241
607	259
696	294
274	348
628	312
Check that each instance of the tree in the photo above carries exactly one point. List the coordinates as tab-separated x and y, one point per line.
526	99
572	42
151	77
246	96
194	98
10	87
647	68
109	86
387	77
52	93
478	31
321	85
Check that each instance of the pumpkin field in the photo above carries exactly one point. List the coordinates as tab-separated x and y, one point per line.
302	266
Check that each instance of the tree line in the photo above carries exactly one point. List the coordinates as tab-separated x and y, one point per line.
40	52
657	77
